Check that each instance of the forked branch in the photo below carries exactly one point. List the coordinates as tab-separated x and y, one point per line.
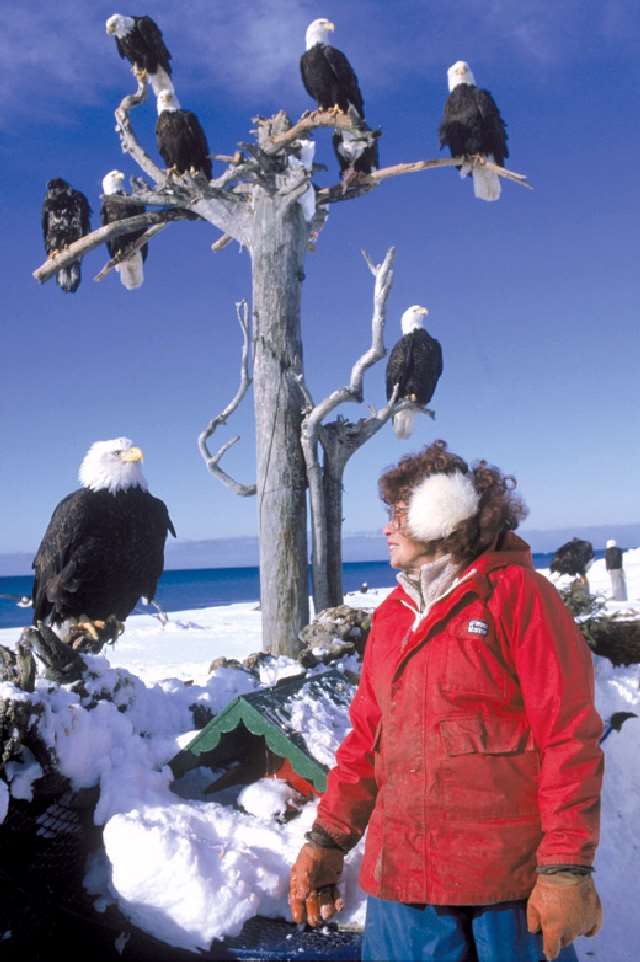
212	461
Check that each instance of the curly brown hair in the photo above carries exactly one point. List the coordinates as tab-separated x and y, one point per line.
499	510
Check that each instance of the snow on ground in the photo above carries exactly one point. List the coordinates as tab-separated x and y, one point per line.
188	870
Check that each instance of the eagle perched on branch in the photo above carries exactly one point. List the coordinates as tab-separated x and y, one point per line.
330	80
181	140
65	219
472	125
415	365
139	40
104	545
130	270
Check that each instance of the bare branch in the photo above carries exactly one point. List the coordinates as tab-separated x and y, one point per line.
221	243
271	144
128	139
130	249
365	182
128	225
383	274
212	460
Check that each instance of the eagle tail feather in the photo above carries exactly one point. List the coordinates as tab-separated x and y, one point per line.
68	278
486	184
131	271
403	423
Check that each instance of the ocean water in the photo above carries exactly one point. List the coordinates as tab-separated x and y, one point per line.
189	588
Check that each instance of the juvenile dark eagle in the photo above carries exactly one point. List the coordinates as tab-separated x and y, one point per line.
104	545
139	40
65	219
330	79
181	140
415	365
471	124
130	270
572	558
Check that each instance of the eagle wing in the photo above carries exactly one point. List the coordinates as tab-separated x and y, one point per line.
198	139
494	125
345	78
64	550
151	34
83	210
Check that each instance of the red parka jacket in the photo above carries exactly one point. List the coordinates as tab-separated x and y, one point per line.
474	754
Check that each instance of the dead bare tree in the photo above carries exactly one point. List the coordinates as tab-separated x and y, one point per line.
266	201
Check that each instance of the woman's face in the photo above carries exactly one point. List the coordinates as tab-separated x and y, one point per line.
405	552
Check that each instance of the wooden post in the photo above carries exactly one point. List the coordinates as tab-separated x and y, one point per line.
613	562
277	252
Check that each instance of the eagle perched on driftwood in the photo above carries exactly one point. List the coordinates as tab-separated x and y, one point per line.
130	269
415	366
139	40
331	81
65	218
104	545
472	124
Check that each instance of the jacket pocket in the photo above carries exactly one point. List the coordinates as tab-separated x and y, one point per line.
496	736
489	768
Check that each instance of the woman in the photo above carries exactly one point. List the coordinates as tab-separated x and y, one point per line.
473	760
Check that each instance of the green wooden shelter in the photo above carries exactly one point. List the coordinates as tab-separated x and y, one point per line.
253	736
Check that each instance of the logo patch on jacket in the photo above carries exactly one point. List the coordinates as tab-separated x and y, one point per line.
477	627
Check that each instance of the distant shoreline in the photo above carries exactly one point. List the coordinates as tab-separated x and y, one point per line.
360	547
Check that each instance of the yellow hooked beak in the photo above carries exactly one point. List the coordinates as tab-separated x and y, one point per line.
132	454
329	25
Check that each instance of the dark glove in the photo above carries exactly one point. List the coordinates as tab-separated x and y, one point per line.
563	906
312	885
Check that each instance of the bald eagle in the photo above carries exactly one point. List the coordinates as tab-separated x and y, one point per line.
472	124
415	365
65	219
181	140
572	558
130	270
139	40
330	79
104	545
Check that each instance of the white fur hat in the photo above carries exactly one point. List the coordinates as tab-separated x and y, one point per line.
439	503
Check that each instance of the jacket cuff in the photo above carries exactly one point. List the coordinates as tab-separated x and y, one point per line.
323	839
573	869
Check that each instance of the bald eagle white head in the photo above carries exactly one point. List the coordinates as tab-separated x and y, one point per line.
112	466
413	318
319	31
112	183
459	73
167	100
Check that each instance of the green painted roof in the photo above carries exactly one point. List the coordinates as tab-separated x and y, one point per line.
267	712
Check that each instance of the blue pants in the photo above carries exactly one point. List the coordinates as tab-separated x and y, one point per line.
395	932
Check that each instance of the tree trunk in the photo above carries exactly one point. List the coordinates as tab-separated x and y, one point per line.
277	251
333	512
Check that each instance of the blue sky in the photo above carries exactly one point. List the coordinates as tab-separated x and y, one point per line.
534	299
